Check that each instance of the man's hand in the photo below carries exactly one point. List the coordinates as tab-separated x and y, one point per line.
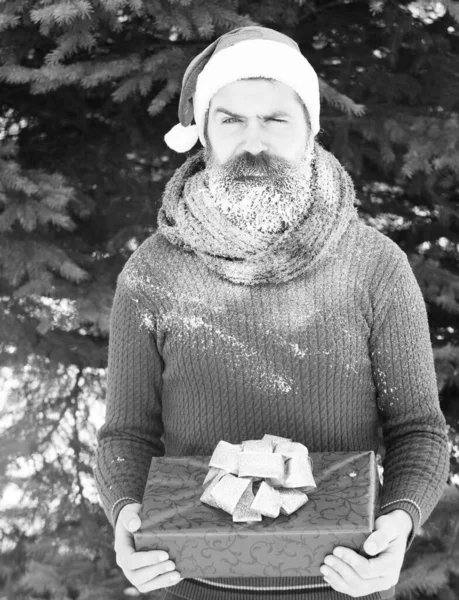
147	571
350	573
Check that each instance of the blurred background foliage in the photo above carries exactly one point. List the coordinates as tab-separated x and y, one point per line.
87	90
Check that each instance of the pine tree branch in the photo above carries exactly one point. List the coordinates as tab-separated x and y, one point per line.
455	540
68	401
75	443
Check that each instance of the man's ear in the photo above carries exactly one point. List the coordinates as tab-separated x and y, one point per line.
206	125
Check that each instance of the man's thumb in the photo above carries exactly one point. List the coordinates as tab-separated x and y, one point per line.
376	542
129	518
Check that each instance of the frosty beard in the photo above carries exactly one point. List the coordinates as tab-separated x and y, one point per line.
261	193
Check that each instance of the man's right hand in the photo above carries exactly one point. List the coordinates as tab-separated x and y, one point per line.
147	571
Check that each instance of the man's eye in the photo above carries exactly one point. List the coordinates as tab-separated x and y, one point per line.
231	120
278	120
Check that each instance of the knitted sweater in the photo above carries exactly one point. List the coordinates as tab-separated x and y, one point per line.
324	359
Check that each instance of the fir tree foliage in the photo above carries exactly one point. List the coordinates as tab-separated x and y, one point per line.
431	568
88	88
33	201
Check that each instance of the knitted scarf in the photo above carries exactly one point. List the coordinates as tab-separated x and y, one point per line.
189	219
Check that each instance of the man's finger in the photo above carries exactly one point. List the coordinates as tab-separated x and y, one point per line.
129	518
142	576
124	541
348	574
140	560
373	568
334	579
379	541
361	565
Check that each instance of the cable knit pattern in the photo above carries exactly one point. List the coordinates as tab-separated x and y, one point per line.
322	358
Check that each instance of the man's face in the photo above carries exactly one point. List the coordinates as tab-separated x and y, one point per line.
258	155
255	116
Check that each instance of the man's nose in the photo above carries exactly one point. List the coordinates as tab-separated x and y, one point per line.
254	141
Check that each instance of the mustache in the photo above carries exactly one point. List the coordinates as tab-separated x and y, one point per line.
256	164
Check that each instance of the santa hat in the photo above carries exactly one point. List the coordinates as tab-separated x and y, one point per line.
242	53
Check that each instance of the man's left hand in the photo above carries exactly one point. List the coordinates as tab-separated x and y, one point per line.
353	574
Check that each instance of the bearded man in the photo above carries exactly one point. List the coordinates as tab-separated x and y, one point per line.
263	304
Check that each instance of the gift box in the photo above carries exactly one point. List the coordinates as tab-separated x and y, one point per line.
204	541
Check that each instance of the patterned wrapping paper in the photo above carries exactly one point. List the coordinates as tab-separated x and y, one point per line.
203	541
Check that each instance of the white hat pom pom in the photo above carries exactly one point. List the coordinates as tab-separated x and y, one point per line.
182	139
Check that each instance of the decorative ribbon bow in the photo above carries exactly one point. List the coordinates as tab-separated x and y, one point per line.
275	464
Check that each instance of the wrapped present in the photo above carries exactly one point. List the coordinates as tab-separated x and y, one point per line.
205	541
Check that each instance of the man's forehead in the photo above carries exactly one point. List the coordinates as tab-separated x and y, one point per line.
247	96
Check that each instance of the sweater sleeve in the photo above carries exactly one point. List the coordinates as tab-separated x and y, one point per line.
416	462
130	436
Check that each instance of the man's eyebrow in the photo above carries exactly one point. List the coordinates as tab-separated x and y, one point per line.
220	109
277	113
